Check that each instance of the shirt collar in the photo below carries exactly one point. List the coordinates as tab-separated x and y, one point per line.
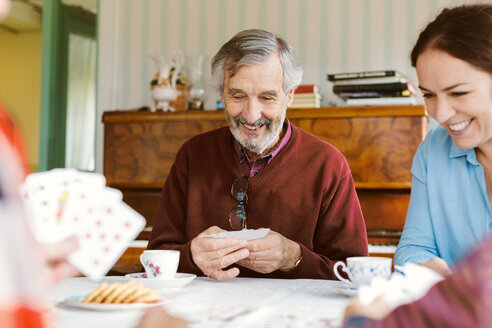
470	154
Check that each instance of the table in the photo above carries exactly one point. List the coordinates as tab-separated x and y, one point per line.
239	302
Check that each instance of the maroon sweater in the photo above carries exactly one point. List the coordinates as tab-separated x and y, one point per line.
306	193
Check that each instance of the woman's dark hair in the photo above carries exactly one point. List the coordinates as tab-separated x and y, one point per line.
463	32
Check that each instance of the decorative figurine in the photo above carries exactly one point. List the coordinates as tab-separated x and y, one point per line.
163	86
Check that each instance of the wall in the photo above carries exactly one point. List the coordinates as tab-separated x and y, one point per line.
20	85
331	36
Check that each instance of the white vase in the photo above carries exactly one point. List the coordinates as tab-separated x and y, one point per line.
162	96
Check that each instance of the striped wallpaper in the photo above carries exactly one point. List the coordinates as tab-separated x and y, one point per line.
330	36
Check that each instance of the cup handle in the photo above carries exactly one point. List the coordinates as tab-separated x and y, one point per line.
141	259
344	269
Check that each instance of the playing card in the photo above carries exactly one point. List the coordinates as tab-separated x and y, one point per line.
248	234
84	201
45	194
88	179
65	202
104	230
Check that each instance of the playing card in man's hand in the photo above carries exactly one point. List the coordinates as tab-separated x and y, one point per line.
65	202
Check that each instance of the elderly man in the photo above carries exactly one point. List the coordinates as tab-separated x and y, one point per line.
261	171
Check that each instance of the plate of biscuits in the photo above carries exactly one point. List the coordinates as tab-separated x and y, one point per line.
117	296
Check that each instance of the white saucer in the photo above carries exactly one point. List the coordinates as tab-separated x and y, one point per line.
347	289
179	280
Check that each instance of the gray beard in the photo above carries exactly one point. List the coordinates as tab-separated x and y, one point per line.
273	128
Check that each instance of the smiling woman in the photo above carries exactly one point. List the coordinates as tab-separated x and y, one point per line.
449	209
460	99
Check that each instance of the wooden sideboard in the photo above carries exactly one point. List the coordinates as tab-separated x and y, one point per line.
378	142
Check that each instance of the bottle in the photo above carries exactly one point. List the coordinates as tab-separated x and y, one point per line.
197	91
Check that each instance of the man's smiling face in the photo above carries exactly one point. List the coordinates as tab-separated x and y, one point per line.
256	105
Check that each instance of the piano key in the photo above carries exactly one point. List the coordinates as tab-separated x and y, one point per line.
385	249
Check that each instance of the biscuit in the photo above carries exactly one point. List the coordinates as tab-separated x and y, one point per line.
142	295
130	289
138	293
152	296
90	298
117	293
105	292
118	288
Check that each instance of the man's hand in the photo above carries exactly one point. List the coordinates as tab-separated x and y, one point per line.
377	310
272	252
55	258
211	255
439	265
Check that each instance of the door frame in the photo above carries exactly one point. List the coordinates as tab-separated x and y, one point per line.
59	21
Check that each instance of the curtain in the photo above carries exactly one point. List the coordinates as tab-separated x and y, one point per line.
81	104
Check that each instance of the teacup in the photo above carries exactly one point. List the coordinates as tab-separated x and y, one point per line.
160	264
362	269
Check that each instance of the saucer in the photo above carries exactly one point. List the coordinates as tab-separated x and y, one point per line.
347	289
179	280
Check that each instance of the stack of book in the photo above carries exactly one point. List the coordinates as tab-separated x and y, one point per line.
306	96
377	88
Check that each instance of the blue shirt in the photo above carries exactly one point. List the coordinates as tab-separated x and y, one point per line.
449	210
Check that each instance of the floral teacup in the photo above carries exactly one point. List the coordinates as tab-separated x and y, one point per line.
160	264
362	269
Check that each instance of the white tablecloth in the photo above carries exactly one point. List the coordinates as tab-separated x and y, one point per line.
240	302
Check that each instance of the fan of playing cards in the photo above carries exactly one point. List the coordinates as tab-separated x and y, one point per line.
64	202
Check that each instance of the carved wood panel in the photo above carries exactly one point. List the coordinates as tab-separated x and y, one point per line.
141	153
378	150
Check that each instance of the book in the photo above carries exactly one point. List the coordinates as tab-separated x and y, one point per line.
315	105
375	80
310	103
362	75
374	94
307	96
307	88
381	101
378	87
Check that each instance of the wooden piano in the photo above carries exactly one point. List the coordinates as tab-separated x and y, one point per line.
378	142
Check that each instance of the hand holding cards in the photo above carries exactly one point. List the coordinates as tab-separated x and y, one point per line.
65	202
248	234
